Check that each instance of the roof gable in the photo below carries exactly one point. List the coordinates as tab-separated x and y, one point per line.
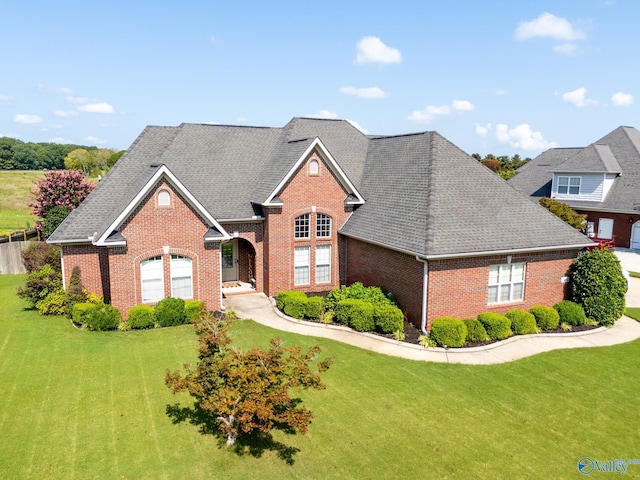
596	158
157	172
354	197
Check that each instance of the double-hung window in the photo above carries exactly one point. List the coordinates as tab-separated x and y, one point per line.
568	185
181	277
152	279
506	283
323	263
301	263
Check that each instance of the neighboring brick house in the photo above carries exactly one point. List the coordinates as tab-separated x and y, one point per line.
310	206
601	181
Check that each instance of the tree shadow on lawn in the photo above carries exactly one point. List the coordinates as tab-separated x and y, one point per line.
254	444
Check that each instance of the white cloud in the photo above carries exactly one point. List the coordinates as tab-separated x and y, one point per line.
65	113
567	49
325	114
64	91
5	99
358	126
501	92
102	107
94	140
369	92
548	25
579	98
27	119
482	130
61	140
462	105
621	99
522	137
373	50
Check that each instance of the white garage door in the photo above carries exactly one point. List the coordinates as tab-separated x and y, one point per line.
605	228
635	236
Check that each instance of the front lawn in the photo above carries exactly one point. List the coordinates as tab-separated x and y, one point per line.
633	312
78	404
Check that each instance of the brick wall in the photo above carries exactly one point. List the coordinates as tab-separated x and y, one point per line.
250	238
94	267
457	287
153	230
304	193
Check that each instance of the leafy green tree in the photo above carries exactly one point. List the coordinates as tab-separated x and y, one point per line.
248	392
80	159
54	217
598	284
565	212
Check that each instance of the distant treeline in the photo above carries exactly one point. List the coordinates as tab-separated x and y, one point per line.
18	155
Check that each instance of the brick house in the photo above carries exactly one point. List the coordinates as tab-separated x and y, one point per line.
310	206
601	181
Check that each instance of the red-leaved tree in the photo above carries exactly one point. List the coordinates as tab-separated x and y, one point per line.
58	188
247	392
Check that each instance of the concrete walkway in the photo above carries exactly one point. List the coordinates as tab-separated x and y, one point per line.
258	307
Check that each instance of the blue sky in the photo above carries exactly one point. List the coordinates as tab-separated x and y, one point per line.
500	77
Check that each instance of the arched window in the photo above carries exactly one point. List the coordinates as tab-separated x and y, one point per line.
164	198
314	168
152	279
323	225
181	277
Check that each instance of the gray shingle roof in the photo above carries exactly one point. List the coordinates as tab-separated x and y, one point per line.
423	194
616	152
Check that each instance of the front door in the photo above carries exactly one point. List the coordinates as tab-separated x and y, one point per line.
230	261
635	236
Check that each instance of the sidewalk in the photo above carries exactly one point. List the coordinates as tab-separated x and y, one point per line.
258	307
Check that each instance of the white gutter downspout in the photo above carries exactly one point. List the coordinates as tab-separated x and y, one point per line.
425	287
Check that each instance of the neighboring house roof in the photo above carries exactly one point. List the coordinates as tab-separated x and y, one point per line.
418	193
618	152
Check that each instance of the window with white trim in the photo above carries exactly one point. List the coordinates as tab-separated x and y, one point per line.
152	279
181	277
323	225
301	262
569	185
164	198
323	263
314	168
301	226
506	283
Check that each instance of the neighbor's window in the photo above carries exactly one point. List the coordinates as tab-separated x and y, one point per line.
506	283
568	185
152	279
301	227
301	266
164	198
181	277
313	167
323	225
323	263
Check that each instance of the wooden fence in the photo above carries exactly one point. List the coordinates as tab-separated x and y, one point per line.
11	247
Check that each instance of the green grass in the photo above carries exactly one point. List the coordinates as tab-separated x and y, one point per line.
634	274
633	312
15	186
79	404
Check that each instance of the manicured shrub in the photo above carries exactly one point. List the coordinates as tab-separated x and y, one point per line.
194	309
53	304
292	303
475	330
80	313
357	290
170	312
141	316
314	307
335	296
388	318
547	318
570	313
103	317
522	322
598	284
448	331
356	314
39	254
497	326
